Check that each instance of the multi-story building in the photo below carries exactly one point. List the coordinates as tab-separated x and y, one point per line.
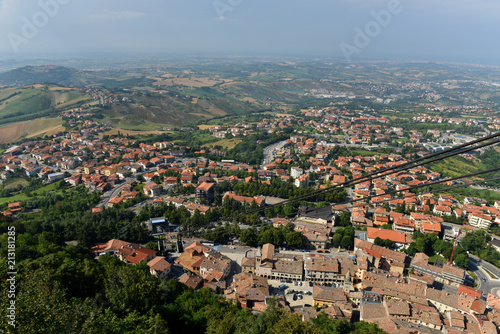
295	172
206	192
480	221
267	263
445	274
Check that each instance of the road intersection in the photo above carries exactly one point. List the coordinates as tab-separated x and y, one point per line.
485	283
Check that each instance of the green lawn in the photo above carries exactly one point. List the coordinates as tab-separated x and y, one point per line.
48	187
12	183
471	274
22	197
489	273
31	100
435	257
489	195
16	198
2	150
363	153
455	166
146	126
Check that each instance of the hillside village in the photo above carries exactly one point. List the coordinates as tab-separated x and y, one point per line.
372	278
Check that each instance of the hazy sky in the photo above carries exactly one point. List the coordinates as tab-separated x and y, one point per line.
436	30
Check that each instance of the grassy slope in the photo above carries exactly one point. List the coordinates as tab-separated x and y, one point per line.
32	103
14	183
227	143
34	128
43	126
15	198
21	197
455	166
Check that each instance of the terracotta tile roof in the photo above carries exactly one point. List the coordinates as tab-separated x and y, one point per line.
379	251
159	264
325	264
267	251
493	301
205	186
426	315
478	306
138	255
371	311
384	234
258	200
327	294
307	312
430	226
192	281
397	308
114	244
474	293
289	267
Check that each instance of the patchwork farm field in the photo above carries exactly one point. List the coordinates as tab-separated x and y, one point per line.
30	129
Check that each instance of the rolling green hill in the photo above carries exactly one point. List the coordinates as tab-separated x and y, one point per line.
31	102
67	76
60	75
158	110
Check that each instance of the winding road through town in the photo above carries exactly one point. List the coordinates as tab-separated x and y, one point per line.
485	283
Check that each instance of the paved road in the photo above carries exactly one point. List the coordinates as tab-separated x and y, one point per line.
111	193
269	152
485	188
487	286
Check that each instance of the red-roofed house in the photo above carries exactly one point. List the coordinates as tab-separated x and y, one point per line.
206	192
152	189
159	267
400	239
135	254
431	227
242	199
467	290
440	210
110	247
15	207
479	220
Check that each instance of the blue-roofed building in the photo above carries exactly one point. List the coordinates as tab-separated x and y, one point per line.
55	177
157	225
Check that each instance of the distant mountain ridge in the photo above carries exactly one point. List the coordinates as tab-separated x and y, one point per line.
60	75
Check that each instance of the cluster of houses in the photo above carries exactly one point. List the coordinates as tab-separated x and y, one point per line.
244	128
134	254
369	282
205	267
13	209
425	118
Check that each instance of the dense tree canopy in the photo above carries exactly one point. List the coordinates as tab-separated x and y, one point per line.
69	292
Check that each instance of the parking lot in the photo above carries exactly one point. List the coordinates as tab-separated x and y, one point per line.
302	293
